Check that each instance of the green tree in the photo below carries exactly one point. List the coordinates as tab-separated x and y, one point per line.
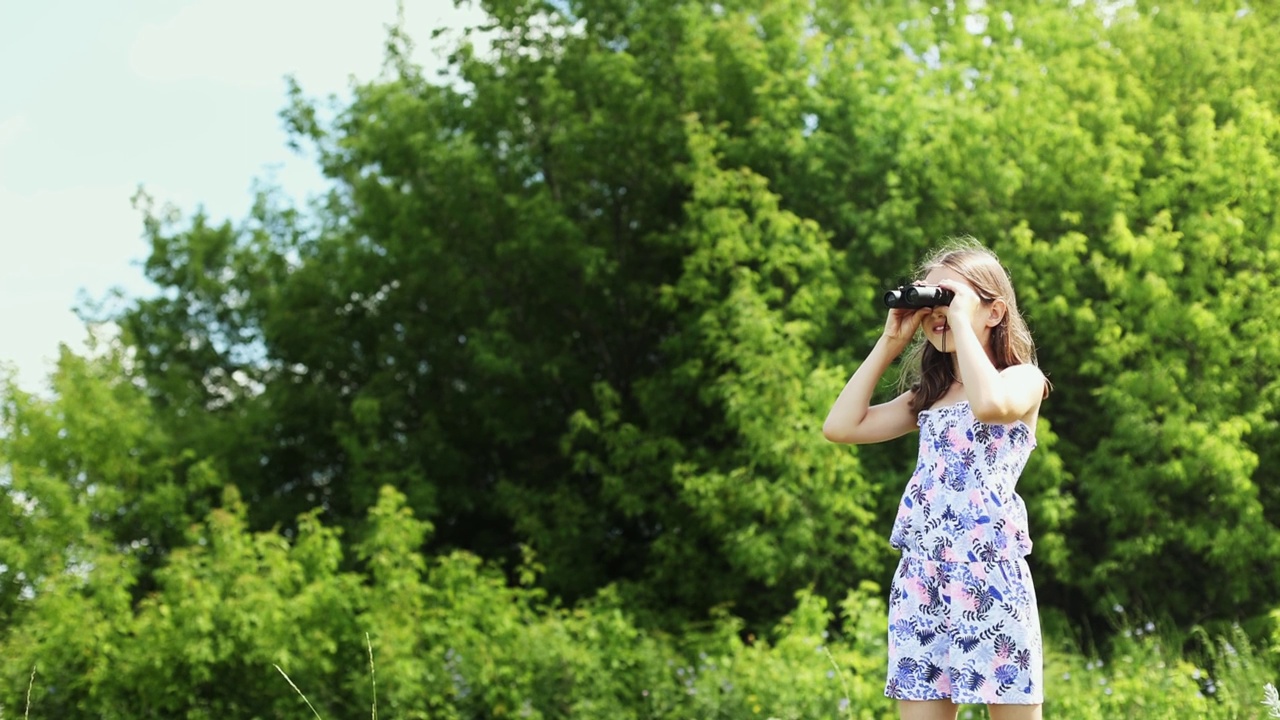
91	464
591	292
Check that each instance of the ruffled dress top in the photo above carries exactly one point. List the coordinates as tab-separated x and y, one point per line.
960	504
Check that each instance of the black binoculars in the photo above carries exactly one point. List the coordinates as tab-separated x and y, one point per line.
913	297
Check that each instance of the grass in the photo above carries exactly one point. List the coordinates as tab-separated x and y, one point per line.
1146	668
1131	664
843	684
26	714
373	678
1271	699
300	693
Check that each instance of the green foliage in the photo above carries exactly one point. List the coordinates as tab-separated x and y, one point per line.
200	636
803	671
105	472
545	367
451	638
1158	672
592	295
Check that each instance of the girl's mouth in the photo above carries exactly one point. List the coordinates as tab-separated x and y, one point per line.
940	327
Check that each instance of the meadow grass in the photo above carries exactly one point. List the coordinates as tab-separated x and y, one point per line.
373	678
26	713
1144	673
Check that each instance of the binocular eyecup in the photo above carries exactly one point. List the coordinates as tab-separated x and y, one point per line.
914	297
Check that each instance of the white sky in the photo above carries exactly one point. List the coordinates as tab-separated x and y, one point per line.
179	96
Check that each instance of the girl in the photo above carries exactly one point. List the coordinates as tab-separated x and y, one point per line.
963	623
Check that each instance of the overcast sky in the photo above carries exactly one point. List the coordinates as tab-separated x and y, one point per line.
180	97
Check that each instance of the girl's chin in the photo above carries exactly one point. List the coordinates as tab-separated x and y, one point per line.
943	347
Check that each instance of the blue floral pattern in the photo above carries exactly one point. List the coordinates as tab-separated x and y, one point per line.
963	623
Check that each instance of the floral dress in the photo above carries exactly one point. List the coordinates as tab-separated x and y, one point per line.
963	623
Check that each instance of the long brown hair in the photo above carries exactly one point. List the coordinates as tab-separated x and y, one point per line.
928	372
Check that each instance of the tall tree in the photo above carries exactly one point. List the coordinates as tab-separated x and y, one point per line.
593	293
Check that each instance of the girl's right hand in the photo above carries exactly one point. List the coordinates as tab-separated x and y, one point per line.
901	326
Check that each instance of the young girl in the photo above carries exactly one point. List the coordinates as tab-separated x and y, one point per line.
963	624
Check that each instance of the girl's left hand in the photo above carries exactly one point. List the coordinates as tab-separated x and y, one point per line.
965	303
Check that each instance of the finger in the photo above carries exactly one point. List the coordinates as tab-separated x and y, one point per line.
958	288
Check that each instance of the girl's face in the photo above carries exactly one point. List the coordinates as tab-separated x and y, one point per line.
937	325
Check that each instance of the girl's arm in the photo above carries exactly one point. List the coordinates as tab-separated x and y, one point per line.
995	396
852	418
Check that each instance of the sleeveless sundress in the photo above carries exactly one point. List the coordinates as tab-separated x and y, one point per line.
963	623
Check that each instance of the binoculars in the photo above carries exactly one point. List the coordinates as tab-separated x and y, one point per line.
913	297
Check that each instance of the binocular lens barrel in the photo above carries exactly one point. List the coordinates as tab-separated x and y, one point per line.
928	296
918	296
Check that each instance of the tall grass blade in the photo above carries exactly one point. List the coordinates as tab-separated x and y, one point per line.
26	715
843	685
295	689
372	677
